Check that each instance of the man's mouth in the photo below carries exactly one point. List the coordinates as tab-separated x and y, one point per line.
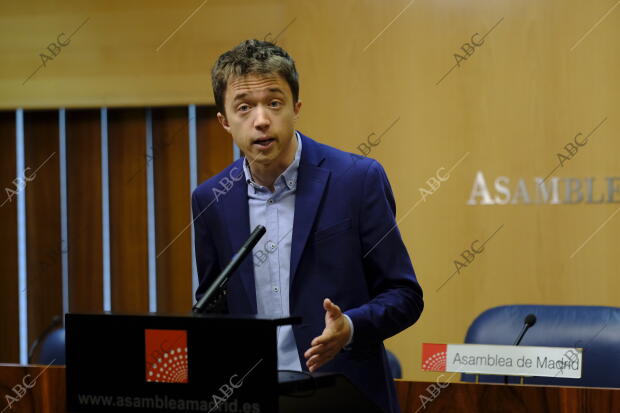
264	142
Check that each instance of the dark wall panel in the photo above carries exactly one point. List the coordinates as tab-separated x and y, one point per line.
43	238
84	210
9	322
172	209
128	210
128	162
215	145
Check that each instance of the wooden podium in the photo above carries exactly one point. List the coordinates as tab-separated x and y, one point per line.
171	362
48	395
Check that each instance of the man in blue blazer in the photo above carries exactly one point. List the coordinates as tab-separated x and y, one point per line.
332	253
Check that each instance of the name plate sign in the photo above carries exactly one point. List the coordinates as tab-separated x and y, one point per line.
561	362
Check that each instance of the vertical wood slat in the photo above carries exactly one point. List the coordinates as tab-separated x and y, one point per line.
214	148
84	210
215	145
43	238
128	219
9	310
172	209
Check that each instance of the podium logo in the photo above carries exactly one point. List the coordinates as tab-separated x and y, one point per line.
434	357
166	356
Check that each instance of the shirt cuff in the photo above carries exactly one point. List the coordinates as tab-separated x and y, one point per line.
350	340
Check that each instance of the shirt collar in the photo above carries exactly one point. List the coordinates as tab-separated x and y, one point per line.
288	177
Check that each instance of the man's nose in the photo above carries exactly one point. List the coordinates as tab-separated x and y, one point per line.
262	118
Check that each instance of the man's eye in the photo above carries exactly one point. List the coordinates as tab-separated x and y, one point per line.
243	108
276	104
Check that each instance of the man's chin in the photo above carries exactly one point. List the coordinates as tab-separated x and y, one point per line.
262	158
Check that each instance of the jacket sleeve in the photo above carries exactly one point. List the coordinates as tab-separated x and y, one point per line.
207	264
396	297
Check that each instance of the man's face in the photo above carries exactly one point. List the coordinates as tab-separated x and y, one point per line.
260	116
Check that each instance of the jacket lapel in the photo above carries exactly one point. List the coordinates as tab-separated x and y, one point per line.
237	222
311	183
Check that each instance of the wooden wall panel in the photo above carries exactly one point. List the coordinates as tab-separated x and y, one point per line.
172	209
441	397
128	213
215	145
43	238
47	396
9	322
84	210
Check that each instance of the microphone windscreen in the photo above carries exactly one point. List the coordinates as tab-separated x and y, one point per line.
530	320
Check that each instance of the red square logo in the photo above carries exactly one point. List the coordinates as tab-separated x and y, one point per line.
166	356
434	356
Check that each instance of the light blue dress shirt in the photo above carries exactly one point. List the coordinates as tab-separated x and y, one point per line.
272	255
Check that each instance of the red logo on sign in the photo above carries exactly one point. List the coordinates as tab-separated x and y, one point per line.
434	356
166	356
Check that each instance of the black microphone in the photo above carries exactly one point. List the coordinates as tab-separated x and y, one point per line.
214	300
529	321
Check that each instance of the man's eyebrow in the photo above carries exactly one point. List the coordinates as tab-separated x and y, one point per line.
239	96
277	90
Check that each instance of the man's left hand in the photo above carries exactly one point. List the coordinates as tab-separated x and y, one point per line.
332	340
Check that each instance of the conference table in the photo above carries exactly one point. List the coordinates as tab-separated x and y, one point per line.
41	389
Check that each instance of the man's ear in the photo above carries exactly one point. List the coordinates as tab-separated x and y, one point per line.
223	121
296	110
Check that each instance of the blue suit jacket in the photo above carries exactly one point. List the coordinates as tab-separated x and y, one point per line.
345	246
